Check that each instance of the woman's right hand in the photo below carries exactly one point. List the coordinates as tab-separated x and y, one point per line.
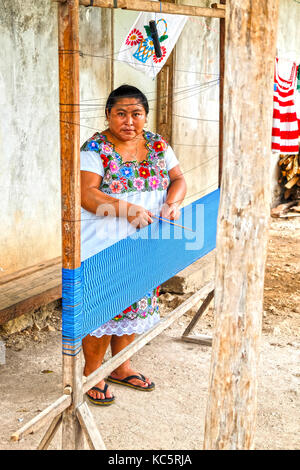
138	216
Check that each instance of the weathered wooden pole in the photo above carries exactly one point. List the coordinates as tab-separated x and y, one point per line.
154	7
243	222
68	32
221	90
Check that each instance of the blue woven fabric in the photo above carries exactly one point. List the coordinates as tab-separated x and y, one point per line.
71	310
123	273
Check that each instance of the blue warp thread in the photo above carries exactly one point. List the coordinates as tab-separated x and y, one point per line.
123	273
71	310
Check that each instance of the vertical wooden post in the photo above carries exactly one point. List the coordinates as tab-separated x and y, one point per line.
221	90
242	225
68	30
165	87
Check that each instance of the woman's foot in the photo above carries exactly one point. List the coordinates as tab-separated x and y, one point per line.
142	382
100	393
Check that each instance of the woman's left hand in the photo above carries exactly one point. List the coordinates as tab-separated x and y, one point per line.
170	211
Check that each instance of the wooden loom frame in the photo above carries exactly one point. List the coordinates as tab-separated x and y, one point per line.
70	410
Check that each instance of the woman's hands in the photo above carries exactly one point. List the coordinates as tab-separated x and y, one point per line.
138	216
170	211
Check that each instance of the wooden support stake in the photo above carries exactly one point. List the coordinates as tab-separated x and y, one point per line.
90	430
199	339
68	34
242	223
198	315
52	430
148	6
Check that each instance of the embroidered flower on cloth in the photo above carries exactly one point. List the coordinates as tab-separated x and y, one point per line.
139	184
165	183
107	148
124	182
142	304
127	310
159	146
144	172
93	145
127	171
116	187
106	178
162	164
119	317
113	167
134	37
148	43
154	182
104	160
156	60
146	307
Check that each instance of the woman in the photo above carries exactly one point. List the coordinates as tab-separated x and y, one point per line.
133	175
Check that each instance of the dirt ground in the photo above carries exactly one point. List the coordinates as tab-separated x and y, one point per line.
171	417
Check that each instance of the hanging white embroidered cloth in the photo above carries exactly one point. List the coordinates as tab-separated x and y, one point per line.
138	50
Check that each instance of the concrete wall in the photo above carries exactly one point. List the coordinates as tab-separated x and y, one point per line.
29	126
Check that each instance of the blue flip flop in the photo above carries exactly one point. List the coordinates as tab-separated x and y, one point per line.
101	401
126	382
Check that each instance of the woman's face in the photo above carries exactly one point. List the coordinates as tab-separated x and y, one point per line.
127	118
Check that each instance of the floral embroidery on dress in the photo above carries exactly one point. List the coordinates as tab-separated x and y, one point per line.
120	177
148	305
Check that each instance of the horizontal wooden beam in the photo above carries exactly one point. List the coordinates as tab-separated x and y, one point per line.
43	418
138	343
155	7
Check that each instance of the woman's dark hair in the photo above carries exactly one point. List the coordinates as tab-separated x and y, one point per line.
126	91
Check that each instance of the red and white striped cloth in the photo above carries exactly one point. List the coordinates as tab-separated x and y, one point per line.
285	131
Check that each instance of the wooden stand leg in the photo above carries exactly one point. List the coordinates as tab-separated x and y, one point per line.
199	339
68	44
89	427
243	219
52	430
